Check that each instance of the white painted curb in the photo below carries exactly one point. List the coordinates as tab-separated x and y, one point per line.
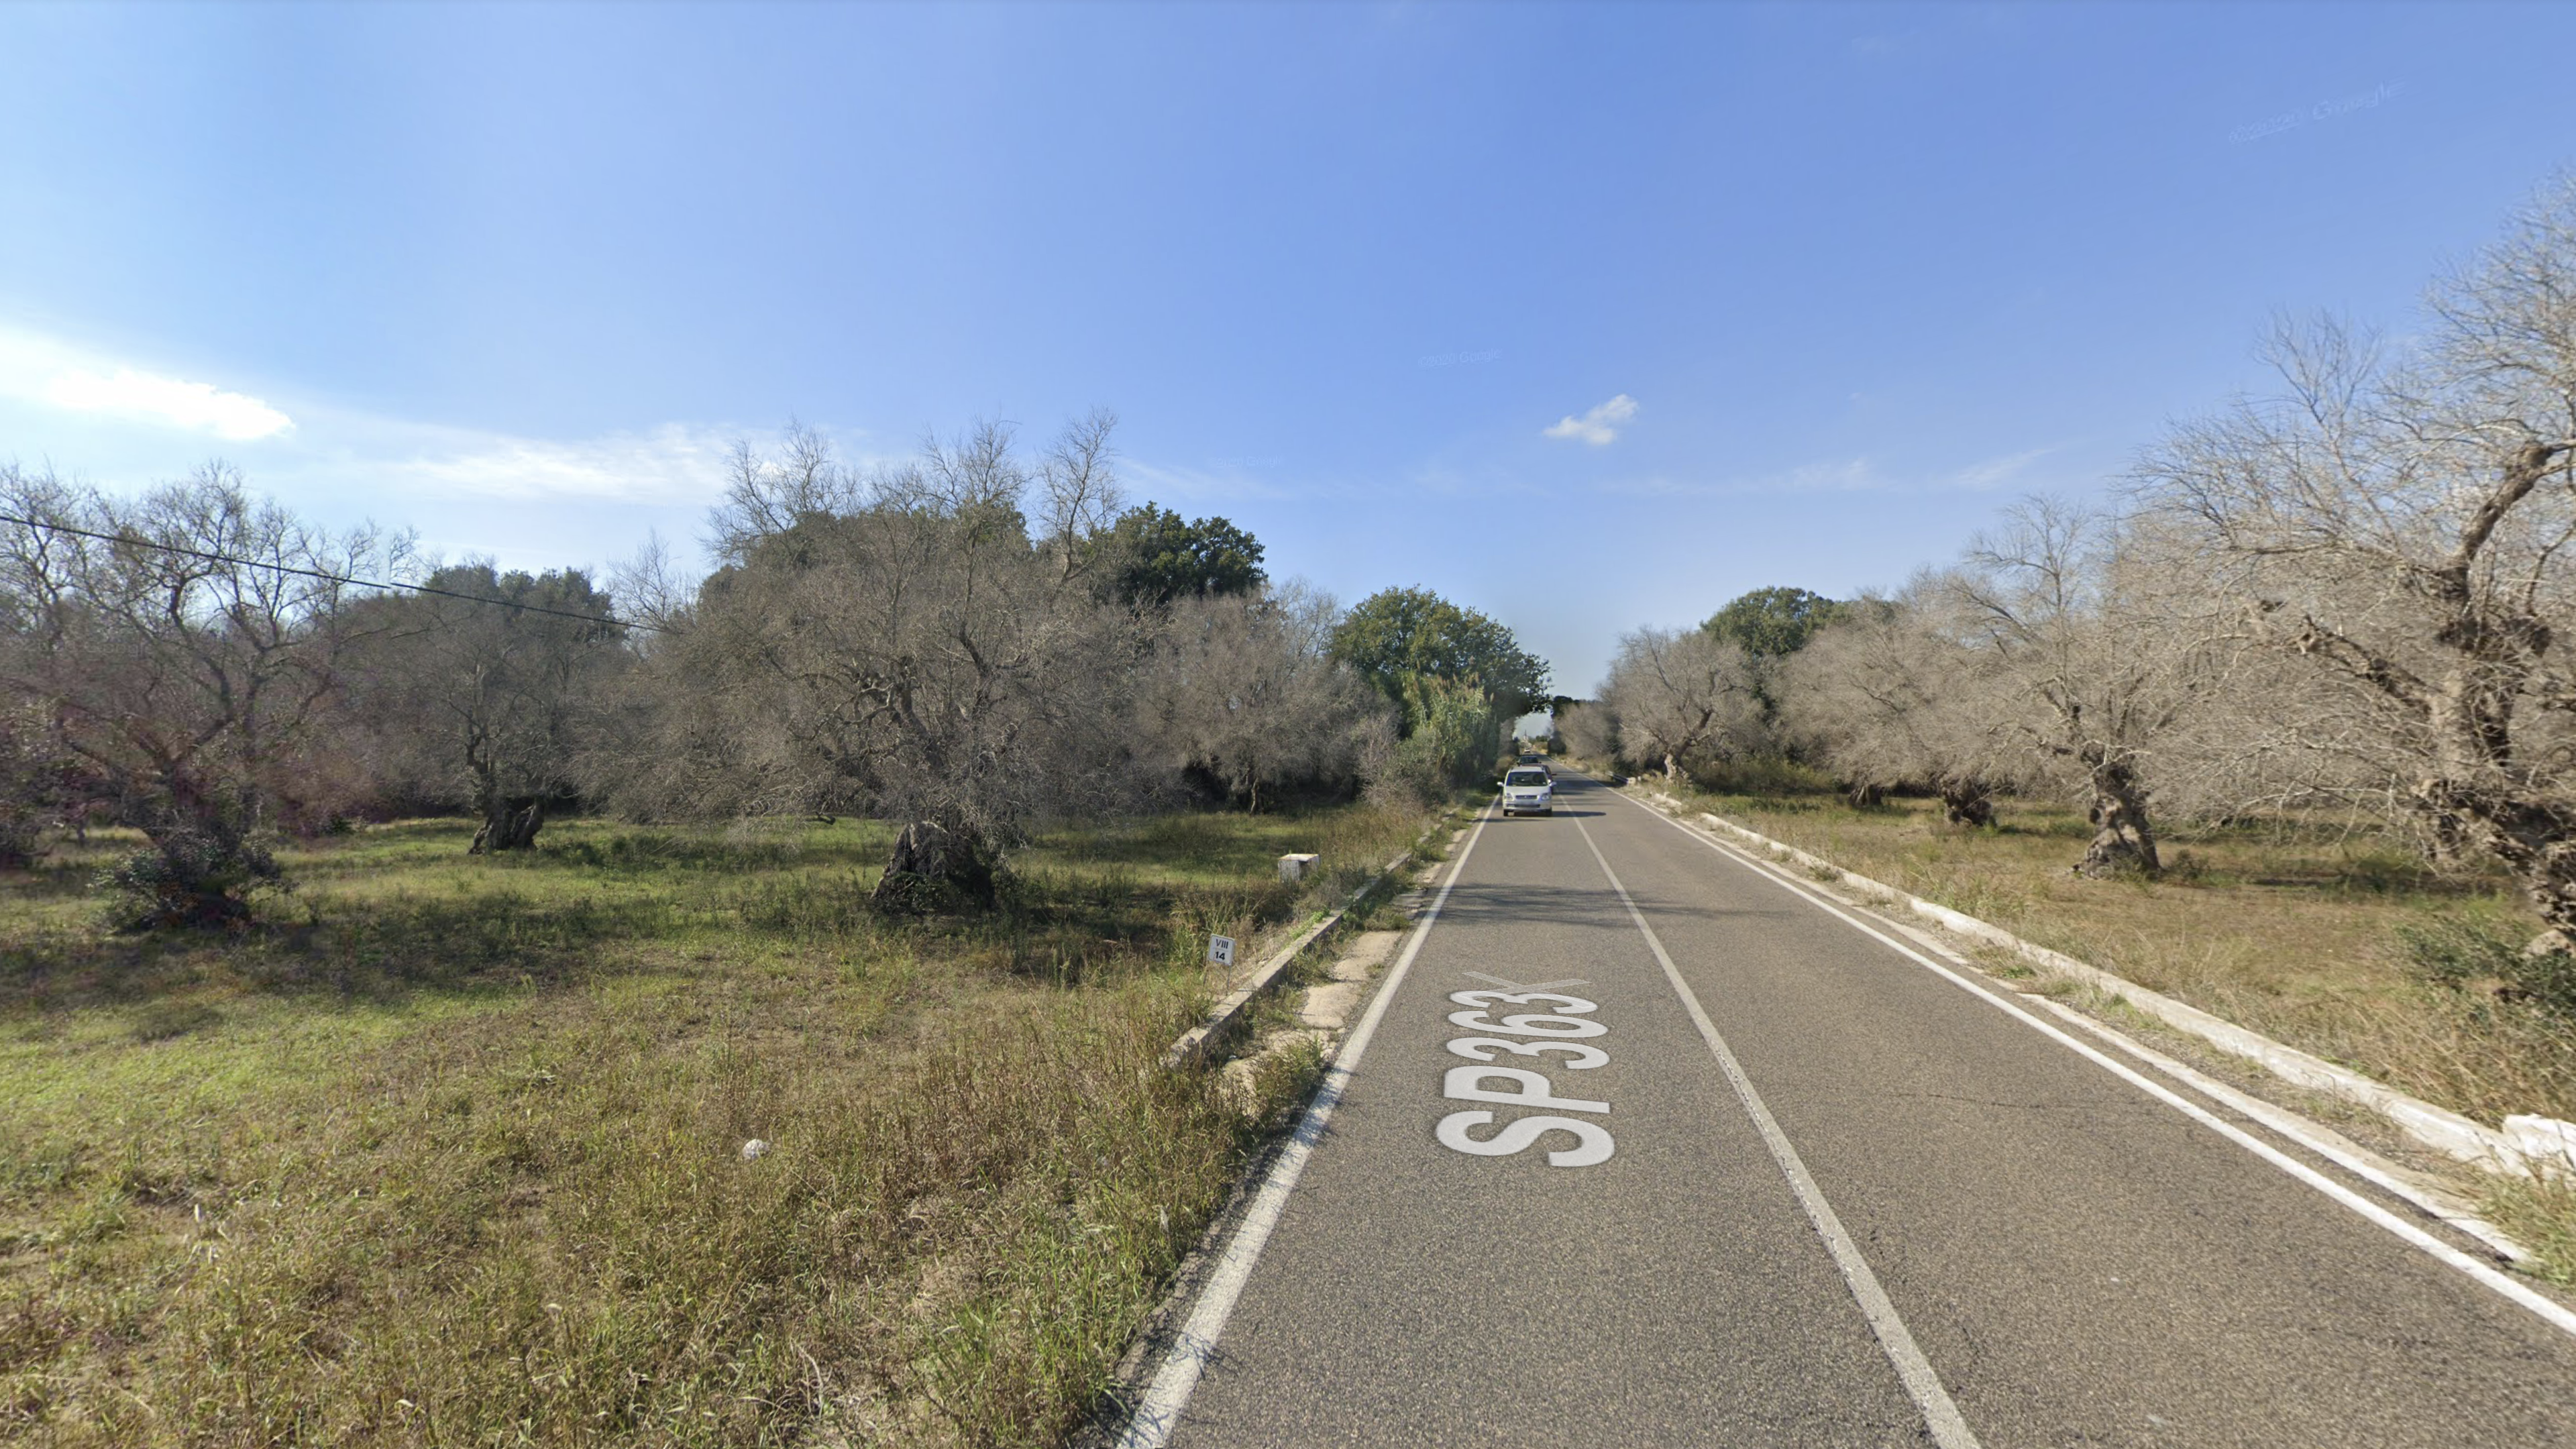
1194	1043
2528	1144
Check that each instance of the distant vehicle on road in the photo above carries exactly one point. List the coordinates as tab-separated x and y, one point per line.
1529	790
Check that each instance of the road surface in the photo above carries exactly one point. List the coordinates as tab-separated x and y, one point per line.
1795	1186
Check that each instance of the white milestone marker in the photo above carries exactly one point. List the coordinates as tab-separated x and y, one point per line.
1221	951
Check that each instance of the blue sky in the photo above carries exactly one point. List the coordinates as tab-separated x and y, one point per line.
1587	316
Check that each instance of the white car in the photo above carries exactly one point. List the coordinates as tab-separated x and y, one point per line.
1529	790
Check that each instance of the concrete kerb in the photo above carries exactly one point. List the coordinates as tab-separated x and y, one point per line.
2530	1146
1134	1369
1195	1043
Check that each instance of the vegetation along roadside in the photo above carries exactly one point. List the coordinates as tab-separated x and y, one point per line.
461	1151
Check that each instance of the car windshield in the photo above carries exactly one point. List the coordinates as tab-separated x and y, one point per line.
1526	777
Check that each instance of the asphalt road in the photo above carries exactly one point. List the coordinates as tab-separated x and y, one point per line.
1907	1218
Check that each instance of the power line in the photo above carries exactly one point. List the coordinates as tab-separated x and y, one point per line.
253	563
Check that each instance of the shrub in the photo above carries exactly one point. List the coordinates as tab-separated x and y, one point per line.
189	878
2458	952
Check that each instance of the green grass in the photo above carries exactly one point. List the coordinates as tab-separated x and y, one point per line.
450	1151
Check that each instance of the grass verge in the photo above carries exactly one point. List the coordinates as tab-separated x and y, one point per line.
455	1153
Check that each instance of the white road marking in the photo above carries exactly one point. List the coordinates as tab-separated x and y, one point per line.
2556	1314
1467	1084
1150	1424
1580	1058
1526	986
1940	1415
1593	1144
2289	1124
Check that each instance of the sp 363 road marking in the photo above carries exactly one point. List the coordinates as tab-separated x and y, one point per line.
1540	1031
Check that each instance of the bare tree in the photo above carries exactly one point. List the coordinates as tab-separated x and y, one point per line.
1683	695
2086	655
499	691
769	493
186	644
1244	691
32	782
2397	521
1589	730
900	643
1885	699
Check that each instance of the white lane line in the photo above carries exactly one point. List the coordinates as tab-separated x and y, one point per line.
2549	1310
1940	1415
1158	1413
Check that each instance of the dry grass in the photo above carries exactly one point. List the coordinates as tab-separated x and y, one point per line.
454	1155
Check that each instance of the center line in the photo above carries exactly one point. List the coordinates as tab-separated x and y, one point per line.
1949	1430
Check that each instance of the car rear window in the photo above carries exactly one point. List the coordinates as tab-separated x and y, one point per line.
1526	777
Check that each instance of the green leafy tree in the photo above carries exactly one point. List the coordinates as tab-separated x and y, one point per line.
1455	735
1773	623
1155	557
1459	677
1396	634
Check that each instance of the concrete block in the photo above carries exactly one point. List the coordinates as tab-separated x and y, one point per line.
2547	1145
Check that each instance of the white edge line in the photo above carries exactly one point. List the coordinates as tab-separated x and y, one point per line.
2445	1131
2289	1124
2549	1310
1940	1414
2432	1201
1150	1424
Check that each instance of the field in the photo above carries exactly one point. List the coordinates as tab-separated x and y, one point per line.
453	1150
2297	929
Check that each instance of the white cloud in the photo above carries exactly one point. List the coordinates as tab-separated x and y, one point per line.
1599	425
128	393
1995	472
49	373
669	464
53	391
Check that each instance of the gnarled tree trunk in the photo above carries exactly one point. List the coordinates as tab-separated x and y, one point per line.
2535	839
932	867
509	823
2122	838
1966	801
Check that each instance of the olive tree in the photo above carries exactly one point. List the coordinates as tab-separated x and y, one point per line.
491	688
2090	657
2396	521
902	642
1686	696
1589	729
1242	690
1882	696
31	782
186	645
